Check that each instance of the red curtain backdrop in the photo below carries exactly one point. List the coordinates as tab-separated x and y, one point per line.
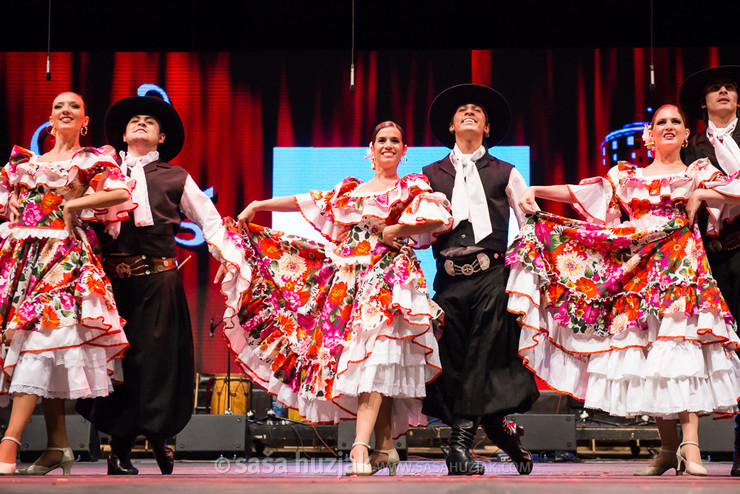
237	106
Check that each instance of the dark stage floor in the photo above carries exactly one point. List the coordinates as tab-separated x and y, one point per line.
322	475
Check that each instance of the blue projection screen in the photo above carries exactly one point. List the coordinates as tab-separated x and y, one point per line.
299	169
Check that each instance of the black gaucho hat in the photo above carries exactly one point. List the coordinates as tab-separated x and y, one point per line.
690	95
449	100
121	111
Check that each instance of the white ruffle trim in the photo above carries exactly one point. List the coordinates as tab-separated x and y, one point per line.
425	207
70	362
21	232
678	364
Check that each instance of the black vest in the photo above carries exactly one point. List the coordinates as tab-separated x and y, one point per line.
494	175
165	184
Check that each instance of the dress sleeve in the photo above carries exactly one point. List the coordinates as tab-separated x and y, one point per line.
9	178
332	212
425	206
595	199
99	169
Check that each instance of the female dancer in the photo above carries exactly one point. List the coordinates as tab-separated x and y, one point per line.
345	331
58	319
627	316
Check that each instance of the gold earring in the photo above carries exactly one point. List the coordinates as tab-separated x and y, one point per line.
51	130
83	131
685	144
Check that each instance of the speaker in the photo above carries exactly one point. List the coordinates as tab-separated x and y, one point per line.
346	436
83	438
211	436
716	436
547	432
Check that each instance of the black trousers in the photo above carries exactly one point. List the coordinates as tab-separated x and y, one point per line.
481	371
156	397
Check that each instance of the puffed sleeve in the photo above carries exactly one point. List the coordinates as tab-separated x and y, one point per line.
332	212
99	170
9	177
425	206
595	199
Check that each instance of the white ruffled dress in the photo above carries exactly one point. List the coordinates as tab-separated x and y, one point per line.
318	325
627	316
62	335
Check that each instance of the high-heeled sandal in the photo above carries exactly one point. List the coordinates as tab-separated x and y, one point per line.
658	469
360	468
687	466
8	468
391	463
68	458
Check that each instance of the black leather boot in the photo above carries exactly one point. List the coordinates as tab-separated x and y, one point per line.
735	472
460	460
505	435
119	460
163	454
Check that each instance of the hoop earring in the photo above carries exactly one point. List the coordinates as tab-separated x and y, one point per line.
83	131
51	130
405	159
685	144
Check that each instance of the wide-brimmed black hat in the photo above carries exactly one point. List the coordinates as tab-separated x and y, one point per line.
121	111
449	100
690	95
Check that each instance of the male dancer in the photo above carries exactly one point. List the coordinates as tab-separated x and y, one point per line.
156	397
712	95
483	379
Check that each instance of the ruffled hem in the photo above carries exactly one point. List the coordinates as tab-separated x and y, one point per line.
71	362
22	232
676	365
397	355
405	413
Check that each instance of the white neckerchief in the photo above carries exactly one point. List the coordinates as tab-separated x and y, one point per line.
468	196
725	147
140	192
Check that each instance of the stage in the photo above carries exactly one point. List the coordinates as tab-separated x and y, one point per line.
323	475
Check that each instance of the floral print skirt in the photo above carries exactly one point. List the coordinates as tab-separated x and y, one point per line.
317	332
62	334
628	319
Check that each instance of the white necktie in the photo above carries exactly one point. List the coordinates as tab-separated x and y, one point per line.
134	167
725	147
468	196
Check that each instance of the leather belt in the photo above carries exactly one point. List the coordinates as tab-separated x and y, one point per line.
730	241
126	267
481	262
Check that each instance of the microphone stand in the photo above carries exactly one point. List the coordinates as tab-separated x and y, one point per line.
227	381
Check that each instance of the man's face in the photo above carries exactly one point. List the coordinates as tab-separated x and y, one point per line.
469	119
720	97
143	128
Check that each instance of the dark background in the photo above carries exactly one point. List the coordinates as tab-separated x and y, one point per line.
247	25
